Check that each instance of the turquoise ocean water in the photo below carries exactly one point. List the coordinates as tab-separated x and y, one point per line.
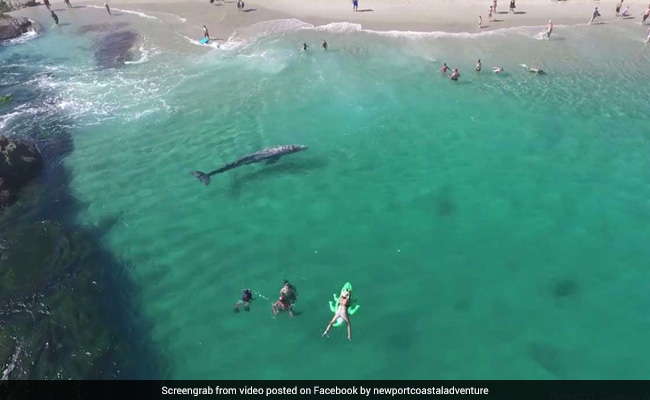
496	227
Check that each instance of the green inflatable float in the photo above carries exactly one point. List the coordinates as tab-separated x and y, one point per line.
334	305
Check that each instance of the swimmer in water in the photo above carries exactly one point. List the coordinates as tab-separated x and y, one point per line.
55	18
324	44
444	68
342	312
246	299
288	296
304	46
478	65
454	75
108	8
497	70
549	29
594	15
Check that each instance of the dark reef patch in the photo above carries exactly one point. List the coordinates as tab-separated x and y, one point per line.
114	49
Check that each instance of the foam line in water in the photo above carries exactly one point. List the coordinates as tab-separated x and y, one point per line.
138	13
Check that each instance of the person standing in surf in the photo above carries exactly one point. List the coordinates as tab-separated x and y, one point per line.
444	68
206	34
342	312
549	29
304	47
454	75
478	65
324	44
108	8
55	18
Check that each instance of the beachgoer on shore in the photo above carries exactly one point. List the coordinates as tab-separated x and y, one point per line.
206	34
355	5
480	22
594	15
646	14
490	14
625	13
454	75
494	5
647	40
549	29
239	5
342	312
444	68
288	296
324	45
478	65
246	299
67	3
212	2
47	4
55	18
512	6
108	8
618	7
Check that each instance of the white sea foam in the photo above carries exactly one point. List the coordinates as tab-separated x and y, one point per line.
138	13
25	37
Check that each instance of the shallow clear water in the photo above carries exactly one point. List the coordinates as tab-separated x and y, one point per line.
492	228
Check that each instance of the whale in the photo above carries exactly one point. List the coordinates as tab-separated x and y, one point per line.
271	155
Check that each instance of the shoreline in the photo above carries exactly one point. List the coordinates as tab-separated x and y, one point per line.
223	21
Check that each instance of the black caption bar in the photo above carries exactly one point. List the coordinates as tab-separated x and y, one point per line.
173	390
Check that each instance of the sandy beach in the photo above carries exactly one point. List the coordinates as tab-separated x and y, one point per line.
224	21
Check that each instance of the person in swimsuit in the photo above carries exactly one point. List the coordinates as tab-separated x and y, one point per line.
646	14
454	75
549	29
594	15
355	5
324	44
478	65
67	2
444	68
288	296
618	7
55	18
206	34
342	312
246	299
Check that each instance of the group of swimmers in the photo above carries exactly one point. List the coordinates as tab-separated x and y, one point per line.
289	296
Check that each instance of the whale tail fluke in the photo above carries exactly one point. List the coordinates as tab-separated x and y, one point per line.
203	177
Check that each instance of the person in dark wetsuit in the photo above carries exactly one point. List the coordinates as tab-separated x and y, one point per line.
324	45
67	2
55	18
47	4
246	299
108	8
304	46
